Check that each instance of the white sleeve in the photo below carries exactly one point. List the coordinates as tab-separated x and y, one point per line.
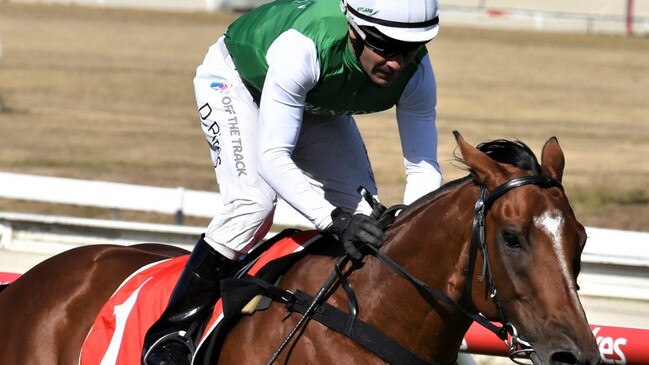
416	118
293	70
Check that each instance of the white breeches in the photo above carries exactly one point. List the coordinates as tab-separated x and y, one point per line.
329	150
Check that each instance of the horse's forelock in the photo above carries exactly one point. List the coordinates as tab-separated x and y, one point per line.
514	153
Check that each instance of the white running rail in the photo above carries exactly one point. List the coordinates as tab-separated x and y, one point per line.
614	263
118	196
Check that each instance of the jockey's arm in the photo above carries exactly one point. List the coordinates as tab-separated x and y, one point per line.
293	71
418	133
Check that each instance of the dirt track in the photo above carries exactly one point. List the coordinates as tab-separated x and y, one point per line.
107	94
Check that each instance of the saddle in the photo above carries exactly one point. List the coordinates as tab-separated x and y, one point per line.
252	289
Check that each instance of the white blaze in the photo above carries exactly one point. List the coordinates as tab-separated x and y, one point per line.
551	222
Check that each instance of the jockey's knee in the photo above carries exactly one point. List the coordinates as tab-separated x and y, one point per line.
240	225
257	210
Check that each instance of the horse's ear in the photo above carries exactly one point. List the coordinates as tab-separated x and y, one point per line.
483	168
552	159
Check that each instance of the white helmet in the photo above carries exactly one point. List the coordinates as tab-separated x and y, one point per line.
415	21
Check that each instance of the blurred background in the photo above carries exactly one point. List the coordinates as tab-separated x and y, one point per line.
100	140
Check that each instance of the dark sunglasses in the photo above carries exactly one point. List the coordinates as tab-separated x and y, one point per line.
387	47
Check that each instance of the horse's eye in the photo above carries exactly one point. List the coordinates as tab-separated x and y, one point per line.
511	239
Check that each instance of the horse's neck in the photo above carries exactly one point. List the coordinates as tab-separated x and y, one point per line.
432	247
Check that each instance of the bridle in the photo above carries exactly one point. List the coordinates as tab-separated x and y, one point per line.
518	348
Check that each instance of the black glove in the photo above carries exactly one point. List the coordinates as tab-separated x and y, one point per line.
355	231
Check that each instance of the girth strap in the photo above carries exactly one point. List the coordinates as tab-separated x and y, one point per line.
362	333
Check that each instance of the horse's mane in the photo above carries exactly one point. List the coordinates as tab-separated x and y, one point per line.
514	153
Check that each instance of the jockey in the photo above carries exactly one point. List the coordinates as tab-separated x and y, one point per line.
275	96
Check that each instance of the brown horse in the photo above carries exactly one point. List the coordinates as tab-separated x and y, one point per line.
513	256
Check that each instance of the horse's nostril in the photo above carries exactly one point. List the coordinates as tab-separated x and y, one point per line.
564	357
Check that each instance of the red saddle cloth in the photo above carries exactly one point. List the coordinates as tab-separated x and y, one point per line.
8	277
117	335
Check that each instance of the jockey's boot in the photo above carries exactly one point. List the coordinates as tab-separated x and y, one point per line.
171	339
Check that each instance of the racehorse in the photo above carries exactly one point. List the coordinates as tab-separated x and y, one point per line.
500	246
